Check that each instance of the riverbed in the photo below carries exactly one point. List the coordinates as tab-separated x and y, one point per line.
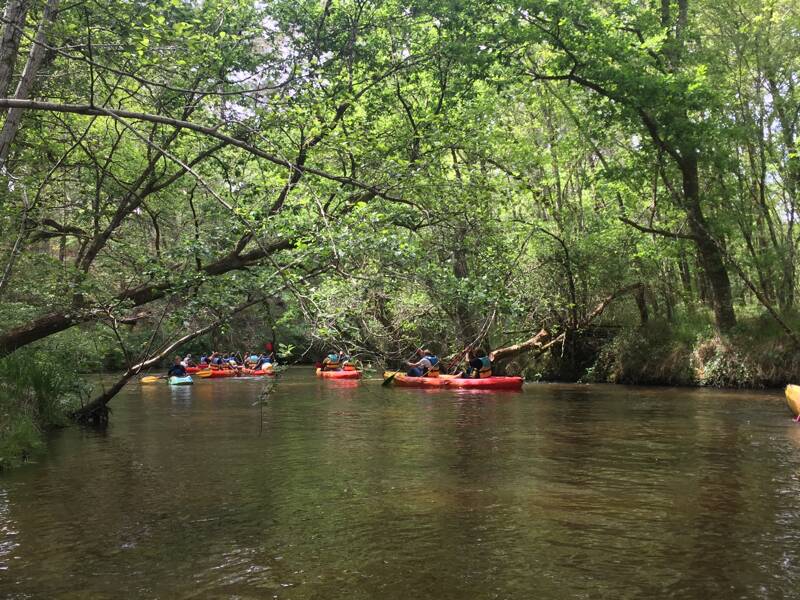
351	490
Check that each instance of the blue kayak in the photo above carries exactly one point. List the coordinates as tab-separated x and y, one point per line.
187	380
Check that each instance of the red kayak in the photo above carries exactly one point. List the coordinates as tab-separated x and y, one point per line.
215	373
195	369
349	374
449	381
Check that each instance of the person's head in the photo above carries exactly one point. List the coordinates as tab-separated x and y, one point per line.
480	353
177	360
427	352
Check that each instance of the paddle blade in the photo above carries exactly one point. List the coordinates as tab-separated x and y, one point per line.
204	374
388	380
150	379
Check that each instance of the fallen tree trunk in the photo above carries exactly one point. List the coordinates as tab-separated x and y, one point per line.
536	341
543	340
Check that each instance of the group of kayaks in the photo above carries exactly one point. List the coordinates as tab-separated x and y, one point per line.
442	381
206	372
395	377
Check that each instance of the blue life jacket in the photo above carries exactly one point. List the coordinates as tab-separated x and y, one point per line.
486	367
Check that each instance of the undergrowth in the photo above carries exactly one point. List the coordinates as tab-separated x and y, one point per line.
36	394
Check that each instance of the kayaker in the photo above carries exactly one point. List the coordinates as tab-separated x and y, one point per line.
346	362
332	362
264	362
204	361
188	361
177	369
253	360
426	366
480	366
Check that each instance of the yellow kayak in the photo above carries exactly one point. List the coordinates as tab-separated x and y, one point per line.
793	398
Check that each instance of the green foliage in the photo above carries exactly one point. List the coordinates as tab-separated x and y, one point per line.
36	393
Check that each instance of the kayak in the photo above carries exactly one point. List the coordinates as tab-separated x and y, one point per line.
339	374
793	398
215	373
187	380
258	373
195	369
451	381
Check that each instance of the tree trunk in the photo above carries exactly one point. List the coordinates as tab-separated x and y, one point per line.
14	21
26	81
708	252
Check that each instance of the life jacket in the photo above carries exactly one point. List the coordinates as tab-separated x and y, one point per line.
331	362
486	367
433	370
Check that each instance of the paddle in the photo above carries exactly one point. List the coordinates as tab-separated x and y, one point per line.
152	378
391	377
458	358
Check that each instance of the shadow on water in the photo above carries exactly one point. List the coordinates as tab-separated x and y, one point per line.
346	489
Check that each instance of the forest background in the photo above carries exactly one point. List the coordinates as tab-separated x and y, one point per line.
601	191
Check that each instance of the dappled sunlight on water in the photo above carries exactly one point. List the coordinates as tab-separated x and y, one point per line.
345	489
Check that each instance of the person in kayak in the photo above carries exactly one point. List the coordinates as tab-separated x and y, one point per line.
332	362
204	361
188	361
346	362
264	362
480	366
426	366
177	369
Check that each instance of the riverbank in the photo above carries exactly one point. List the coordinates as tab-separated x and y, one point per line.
755	356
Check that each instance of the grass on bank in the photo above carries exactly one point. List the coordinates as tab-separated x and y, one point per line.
36	394
756	354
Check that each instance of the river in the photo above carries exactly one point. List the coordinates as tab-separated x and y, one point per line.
351	490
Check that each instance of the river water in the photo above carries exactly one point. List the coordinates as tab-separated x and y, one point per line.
351	490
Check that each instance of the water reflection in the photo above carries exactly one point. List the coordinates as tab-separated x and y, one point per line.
345	488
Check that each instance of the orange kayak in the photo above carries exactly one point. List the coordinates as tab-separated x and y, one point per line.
258	373
451	381
339	374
